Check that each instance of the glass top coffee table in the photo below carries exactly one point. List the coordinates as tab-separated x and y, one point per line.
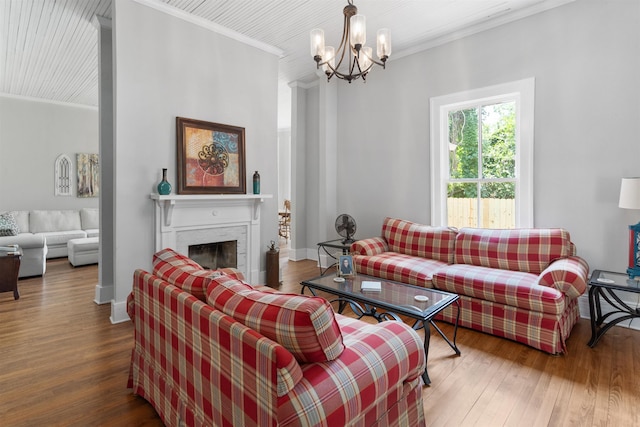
393	299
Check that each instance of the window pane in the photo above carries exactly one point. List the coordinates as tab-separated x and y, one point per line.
462	205
498	206
499	140
463	143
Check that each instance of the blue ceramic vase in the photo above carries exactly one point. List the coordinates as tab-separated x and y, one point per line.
164	187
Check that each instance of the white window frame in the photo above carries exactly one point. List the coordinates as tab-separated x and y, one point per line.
522	92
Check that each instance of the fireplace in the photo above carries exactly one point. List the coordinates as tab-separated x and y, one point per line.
215	255
185	221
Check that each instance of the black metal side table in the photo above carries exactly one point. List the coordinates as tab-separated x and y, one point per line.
333	244
603	286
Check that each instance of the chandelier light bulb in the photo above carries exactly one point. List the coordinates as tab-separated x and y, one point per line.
329	58
317	42
358	29
365	58
384	44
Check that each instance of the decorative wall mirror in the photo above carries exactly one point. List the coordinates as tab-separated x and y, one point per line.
62	176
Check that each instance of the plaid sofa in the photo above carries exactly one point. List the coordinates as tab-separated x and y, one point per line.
249	356
520	284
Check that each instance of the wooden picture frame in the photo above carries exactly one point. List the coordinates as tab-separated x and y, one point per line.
211	158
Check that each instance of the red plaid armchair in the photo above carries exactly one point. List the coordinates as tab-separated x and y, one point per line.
248	357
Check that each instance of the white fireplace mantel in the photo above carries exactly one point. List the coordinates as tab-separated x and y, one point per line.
182	219
168	202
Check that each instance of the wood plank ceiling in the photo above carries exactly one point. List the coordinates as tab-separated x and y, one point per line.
48	48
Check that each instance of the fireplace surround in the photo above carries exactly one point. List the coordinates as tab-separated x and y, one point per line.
181	221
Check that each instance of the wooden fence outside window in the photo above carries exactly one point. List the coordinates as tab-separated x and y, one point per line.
496	213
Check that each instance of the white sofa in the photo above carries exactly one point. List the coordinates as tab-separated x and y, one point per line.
44	234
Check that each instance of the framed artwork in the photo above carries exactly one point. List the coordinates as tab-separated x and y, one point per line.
88	169
345	266
211	158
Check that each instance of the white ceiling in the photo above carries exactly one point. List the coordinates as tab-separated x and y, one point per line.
48	48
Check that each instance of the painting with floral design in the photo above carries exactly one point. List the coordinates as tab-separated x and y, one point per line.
210	158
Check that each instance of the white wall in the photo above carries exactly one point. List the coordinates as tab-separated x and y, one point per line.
284	166
32	135
166	67
585	58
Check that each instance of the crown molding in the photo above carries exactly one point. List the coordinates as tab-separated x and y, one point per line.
499	19
48	101
212	26
303	85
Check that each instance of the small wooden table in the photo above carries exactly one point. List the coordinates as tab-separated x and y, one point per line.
9	267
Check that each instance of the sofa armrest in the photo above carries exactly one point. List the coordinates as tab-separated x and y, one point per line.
25	240
380	363
568	275
370	246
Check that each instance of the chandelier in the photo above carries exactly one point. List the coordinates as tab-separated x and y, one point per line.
357	57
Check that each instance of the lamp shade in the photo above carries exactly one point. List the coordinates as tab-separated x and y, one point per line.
630	193
365	58
358	31
383	43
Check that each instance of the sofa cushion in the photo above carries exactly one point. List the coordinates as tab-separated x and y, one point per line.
8	225
419	240
52	220
512	288
304	325
22	220
92	232
398	267
60	238
90	218
527	250
186	274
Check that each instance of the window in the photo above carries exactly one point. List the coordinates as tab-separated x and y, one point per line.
482	157
62	176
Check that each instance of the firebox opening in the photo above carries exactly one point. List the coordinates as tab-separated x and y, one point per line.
215	255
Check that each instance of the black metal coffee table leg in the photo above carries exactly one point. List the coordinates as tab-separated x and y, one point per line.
427	338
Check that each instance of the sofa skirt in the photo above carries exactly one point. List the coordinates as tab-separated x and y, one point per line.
543	331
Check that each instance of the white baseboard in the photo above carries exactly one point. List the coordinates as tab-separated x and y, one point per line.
119	312
300	254
104	294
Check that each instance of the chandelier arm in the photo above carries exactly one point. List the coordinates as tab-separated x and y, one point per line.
381	63
344	42
361	71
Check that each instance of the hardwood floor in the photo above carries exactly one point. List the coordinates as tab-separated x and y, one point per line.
63	363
